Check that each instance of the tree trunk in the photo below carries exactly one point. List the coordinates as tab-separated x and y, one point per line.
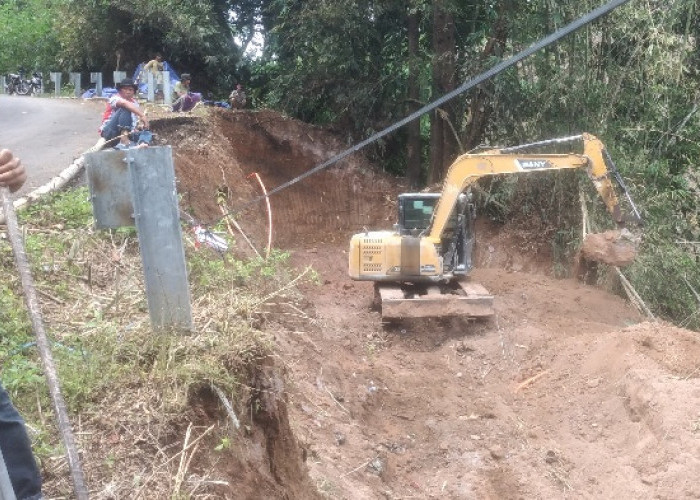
480	106
413	145
443	143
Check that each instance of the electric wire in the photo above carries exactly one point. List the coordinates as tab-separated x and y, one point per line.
498	68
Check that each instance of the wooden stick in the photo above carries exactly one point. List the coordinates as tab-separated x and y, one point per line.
529	381
228	223
180	476
30	297
630	290
240	230
584	214
60	180
696	294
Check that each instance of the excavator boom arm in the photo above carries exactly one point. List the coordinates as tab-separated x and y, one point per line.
469	168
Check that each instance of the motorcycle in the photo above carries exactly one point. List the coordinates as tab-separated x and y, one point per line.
35	83
16	84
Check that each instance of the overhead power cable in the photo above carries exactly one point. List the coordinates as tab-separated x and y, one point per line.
498	68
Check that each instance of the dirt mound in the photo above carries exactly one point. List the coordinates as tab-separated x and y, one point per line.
555	397
216	156
565	393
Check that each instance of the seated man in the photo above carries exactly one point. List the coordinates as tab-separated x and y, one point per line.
184	99
238	98
122	113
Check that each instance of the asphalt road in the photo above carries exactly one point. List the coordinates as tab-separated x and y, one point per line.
47	134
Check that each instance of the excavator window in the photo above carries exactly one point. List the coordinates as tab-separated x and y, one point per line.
416	211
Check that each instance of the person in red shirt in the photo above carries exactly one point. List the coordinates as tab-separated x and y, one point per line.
123	111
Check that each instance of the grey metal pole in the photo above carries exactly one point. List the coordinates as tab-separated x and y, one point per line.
137	186
157	219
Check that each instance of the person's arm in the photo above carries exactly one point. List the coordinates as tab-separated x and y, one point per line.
133	108
12	172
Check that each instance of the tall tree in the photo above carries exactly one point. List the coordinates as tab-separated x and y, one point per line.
443	139
27	35
413	140
480	102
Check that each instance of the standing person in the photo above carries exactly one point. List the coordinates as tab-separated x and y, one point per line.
185	100
123	111
156	67
14	441
238	98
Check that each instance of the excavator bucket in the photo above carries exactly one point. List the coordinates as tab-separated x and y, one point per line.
461	298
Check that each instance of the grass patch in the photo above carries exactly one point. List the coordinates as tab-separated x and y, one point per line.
124	382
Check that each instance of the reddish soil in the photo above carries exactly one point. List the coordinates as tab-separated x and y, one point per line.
565	393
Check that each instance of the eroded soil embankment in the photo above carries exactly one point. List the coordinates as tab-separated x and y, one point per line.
564	393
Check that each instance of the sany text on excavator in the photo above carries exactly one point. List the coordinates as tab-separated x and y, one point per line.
420	267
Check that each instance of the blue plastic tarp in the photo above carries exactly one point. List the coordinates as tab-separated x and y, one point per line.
217	104
106	92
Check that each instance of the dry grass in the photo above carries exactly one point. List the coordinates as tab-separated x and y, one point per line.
144	403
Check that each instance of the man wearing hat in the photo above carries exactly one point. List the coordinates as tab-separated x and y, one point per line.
185	99
123	111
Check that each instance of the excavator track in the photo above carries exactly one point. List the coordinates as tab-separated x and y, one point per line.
457	299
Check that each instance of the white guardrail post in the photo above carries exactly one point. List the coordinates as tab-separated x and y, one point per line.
76	81
56	79
96	78
167	89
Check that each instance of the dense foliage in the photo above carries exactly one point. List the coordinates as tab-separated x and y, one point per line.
359	65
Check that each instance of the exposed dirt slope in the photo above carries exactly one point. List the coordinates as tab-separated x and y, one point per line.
566	393
215	157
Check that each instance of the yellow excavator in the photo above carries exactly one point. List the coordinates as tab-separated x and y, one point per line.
420	267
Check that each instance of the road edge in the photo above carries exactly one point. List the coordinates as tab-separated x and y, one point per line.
58	182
